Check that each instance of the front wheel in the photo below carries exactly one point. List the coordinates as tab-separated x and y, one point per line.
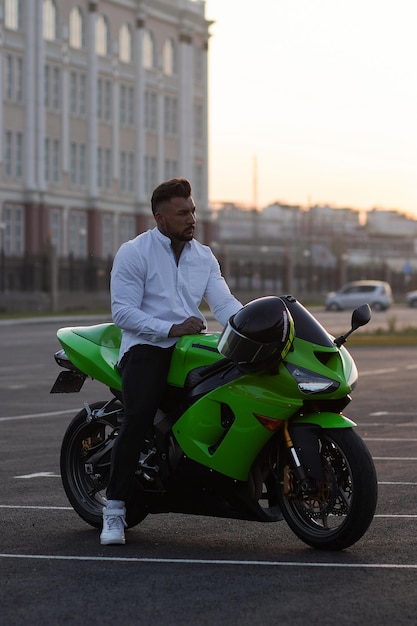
338	511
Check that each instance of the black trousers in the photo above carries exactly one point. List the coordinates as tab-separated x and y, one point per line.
144	371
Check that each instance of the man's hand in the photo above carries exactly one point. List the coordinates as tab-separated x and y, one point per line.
190	326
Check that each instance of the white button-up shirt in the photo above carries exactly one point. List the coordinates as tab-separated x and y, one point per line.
150	292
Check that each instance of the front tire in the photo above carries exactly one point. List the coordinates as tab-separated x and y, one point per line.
338	512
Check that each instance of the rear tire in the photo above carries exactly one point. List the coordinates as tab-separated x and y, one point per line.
341	509
85	482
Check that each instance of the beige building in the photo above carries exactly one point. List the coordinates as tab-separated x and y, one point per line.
101	101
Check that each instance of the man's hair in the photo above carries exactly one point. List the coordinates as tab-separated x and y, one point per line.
173	188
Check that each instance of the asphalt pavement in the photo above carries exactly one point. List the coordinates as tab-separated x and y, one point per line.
185	570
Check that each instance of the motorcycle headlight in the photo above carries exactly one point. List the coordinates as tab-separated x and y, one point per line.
309	382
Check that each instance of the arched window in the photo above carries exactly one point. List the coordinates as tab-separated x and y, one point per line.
76	29
168	58
148	50
13	14
49	18
102	36
125	44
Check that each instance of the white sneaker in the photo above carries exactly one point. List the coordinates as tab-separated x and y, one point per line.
114	523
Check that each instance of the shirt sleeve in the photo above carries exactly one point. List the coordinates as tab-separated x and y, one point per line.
127	289
218	296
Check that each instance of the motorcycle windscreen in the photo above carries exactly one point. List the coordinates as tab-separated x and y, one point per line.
306	325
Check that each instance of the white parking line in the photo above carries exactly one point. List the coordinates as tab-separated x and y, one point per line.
386	370
394	458
32	415
387	482
69	508
32	506
388	439
118	559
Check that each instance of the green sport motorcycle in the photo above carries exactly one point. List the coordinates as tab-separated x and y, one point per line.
252	427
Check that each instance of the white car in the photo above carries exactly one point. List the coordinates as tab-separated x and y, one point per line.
376	293
411	298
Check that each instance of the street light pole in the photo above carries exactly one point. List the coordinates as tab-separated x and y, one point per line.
2	257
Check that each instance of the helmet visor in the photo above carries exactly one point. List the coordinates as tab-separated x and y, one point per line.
240	349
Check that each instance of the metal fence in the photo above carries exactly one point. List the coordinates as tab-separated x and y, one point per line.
48	282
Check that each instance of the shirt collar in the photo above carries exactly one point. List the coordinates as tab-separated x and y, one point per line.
166	241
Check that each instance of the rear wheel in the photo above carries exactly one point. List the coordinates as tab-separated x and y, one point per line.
338	511
85	462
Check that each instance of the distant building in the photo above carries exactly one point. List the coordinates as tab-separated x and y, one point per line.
380	221
101	101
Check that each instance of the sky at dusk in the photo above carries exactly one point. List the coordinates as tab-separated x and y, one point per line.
313	101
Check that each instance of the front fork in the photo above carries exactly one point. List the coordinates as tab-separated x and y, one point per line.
303	447
299	470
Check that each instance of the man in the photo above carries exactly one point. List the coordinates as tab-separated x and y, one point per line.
158	281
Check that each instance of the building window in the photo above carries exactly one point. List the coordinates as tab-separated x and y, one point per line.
102	36
127	172
107	168
13	14
56	96
171	168
77	231
198	181
19	80
83	94
107	236
99	98
46	81
9	77
199	65
107	100
13	154
49	20
73	93
151	105
131	107
8	154
55	218
99	167
125	44
148	50
83	164
168	58
14	230
13	78
73	163
198	122
170	115
46	161
123	173
122	105
131	172
150	174
76	29
56	160
127	229
127	106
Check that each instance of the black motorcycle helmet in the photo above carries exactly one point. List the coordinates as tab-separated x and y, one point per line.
260	334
